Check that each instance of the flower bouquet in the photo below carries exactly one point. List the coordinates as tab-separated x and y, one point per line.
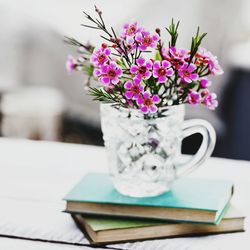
143	83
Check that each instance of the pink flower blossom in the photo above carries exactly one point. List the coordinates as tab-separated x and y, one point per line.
127	45
133	89
206	57
142	69
175	57
109	73
204	82
210	100
186	72
71	64
162	70
214	66
179	53
147	102
194	97
100	56
130	29
146	41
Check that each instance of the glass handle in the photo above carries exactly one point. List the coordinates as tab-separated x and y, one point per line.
207	131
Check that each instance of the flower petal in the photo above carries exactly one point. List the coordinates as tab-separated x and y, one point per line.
180	73
97	72
185	65
115	80
140	61
136	96
104	69
156	38
128	85
133	69
149	64
157	64
162	79
141	88
155	74
144	109
142	47
137	80
147	75
140	101
169	72
128	94
194	76
146	95
119	72
187	80
138	38
153	108
156	99
165	64
145	33
112	65
191	67
105	80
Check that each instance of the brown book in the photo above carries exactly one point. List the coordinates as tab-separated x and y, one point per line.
112	230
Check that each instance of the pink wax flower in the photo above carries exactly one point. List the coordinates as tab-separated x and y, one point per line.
110	88
142	69
175	57
162	70
146	41
186	72
204	82
194	97
133	89
131	29
210	100
100	56
147	103
109	73
206	57
214	66
175	53
127	45
132	78
180	54
71	64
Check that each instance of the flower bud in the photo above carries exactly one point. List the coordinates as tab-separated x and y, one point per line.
158	31
104	45
98	11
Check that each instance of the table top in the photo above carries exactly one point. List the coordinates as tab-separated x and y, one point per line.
43	172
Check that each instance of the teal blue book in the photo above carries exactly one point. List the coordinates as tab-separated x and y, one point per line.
190	200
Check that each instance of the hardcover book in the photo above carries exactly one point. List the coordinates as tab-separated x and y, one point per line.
190	199
113	230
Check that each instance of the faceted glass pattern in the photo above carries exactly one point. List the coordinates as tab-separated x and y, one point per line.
143	150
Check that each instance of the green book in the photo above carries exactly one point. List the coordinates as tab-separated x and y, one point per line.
190	199
113	230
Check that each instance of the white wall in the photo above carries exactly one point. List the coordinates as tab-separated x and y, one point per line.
216	17
226	21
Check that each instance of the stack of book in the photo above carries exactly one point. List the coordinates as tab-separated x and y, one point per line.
192	207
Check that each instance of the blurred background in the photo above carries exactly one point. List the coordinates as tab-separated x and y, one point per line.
40	100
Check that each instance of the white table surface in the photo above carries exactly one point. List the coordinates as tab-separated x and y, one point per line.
43	172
